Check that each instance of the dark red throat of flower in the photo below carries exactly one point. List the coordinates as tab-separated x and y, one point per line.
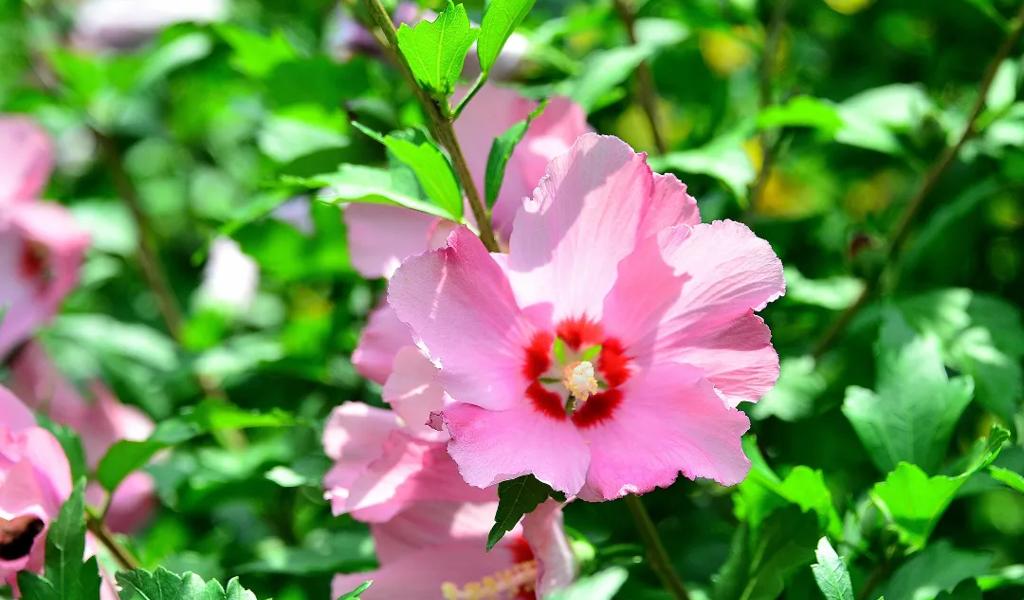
576	373
17	536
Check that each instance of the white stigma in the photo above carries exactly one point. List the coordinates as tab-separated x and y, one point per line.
580	381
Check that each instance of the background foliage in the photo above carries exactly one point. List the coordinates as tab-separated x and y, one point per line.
813	121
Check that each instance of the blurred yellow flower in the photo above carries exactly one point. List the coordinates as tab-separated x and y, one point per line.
727	51
848	7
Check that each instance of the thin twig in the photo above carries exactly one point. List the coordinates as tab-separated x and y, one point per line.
769	143
99	529
658	558
645	88
439	125
928	184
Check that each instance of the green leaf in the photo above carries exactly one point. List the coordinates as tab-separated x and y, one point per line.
911	414
432	169
913	502
65	577
802	111
834	293
501	150
873	118
937	568
793	396
1011	478
1004	86
356	594
603	72
70	442
371	185
599	586
831	574
516	498
255	54
300	130
723	159
436	50
500	19
162	584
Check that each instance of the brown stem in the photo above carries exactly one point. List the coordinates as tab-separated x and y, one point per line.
769	146
645	88
931	179
99	529
440	125
658	558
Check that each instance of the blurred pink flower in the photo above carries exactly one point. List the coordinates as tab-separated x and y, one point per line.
380	236
99	423
655	313
231	277
429	527
41	246
124	24
35	479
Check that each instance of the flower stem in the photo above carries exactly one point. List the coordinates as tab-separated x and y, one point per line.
646	93
931	179
440	126
99	529
479	83
656	554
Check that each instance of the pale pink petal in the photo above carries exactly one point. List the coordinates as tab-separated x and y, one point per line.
687	284
422	573
426	524
550	135
132	504
581	221
414	391
458	302
670	206
27	159
14	415
545	533
492	446
491	112
353	436
409	470
381	236
382	338
670	421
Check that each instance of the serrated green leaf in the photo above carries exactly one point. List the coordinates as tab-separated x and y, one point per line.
911	414
831	574
356	594
436	50
162	584
501	150
517	497
500	19
431	167
1011	478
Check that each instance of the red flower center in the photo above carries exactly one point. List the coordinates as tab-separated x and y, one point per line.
551	364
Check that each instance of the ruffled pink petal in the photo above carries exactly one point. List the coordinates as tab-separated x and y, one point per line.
459	304
14	415
414	391
421	574
381	236
686	284
670	206
426	524
354	437
670	420
27	159
494	446
382	338
408	471
545	533
581	221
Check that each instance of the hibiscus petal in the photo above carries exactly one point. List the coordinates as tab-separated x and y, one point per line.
458	303
670	420
414	392
581	221
28	159
381	236
14	415
426	524
670	206
494	446
382	338
544	532
353	436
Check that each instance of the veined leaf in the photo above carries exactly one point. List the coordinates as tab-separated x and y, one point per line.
831	574
436	50
500	19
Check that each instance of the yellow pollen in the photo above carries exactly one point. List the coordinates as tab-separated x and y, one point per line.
503	585
579	379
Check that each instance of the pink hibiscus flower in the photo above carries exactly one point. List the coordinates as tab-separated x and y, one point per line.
35	480
381	236
41	247
606	352
100	423
429	527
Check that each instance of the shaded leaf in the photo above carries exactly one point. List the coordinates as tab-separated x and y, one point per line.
937	568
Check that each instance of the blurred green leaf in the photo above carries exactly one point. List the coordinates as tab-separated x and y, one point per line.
911	414
500	19
70	442
603	72
501	150
1010	478
357	593
1003	91
873	118
831	574
255	54
723	159
834	293
937	568
599	586
793	396
373	185
802	111
299	130
436	50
